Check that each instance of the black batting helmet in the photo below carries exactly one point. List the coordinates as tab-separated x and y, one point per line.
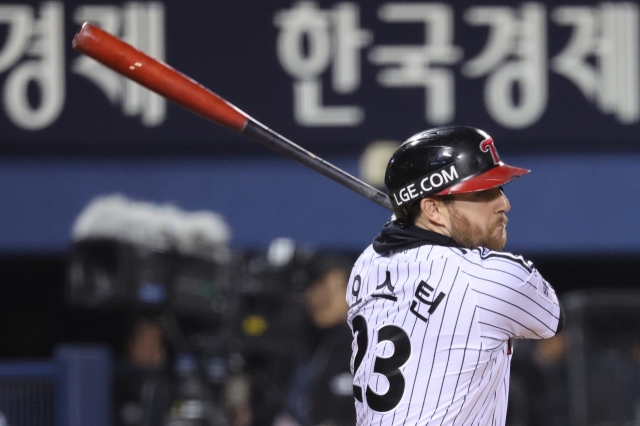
444	160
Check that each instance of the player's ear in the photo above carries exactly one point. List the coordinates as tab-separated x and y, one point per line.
434	210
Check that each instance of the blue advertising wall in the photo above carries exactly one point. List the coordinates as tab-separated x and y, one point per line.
557	84
570	204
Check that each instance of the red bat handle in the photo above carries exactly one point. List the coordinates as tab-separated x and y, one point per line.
157	76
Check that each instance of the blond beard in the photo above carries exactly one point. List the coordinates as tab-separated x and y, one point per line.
471	235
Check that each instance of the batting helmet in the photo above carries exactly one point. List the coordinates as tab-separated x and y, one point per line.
444	160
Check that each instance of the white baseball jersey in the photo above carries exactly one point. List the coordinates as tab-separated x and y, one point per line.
432	332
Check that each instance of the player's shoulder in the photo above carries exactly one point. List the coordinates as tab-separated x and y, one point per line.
367	254
483	262
365	258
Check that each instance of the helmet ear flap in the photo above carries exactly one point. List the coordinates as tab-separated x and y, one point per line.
407	212
401	212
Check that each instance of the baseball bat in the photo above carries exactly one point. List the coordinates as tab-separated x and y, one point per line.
177	87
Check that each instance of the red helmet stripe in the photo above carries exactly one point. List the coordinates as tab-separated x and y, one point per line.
490	179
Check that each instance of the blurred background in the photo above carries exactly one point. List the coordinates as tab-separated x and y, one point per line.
157	269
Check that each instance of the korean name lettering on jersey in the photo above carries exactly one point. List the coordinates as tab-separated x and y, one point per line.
432	328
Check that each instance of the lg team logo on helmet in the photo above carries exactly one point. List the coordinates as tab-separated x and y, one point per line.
426	185
487	145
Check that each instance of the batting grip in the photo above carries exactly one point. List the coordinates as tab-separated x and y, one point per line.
177	87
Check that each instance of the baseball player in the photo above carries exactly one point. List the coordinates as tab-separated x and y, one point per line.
434	302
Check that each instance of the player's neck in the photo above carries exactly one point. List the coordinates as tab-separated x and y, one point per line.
424	223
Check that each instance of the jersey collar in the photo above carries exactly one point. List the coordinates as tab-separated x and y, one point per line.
396	236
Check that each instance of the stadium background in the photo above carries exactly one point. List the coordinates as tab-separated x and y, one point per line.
70	133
